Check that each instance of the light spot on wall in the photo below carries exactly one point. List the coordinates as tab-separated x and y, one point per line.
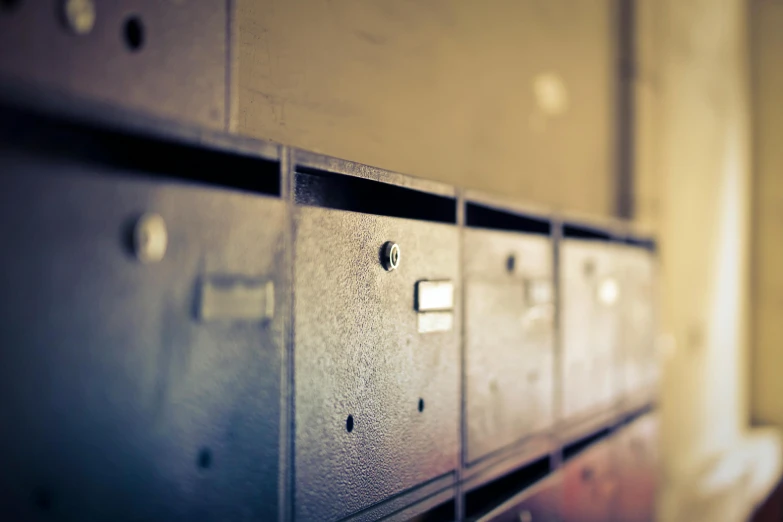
551	94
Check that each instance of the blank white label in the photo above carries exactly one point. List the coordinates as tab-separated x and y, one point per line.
434	295
236	298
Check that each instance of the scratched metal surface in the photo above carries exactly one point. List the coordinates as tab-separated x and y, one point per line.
590	330
358	353
180	70
508	343
117	403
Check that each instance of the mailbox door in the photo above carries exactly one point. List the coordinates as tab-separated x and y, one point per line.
137	387
508	338
377	382
641	367
166	58
591	292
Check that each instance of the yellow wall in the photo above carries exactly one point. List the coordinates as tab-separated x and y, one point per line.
509	96
766	32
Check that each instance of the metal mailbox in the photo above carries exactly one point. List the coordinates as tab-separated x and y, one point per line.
591	286
509	309
376	342
166	58
141	336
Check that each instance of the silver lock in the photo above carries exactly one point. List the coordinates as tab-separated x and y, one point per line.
390	255
79	15
150	238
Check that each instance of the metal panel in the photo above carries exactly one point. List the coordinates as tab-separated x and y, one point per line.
508	338
640	365
377	402
118	402
591	292
178	68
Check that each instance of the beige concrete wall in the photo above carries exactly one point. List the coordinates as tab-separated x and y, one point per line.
766	30
509	96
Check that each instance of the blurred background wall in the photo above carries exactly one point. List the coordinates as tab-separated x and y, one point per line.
515	97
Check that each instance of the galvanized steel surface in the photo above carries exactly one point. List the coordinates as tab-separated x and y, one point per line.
119	402
509	357
377	402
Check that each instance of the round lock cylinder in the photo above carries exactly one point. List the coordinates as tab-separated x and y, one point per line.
79	15
150	238
390	255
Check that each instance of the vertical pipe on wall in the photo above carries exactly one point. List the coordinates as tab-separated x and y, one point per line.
625	114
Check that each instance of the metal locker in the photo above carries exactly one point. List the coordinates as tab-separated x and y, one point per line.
166	58
509	358
141	336
591	286
376	343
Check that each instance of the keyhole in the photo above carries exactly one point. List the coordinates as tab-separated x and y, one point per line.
205	458
421	405
134	33
349	423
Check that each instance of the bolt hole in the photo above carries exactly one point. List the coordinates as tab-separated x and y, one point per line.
421	405
42	499
134	33
205	458
9	5
511	263
349	423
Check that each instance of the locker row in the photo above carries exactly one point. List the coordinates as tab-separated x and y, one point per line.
197	326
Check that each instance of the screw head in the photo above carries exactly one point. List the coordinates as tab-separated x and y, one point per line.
525	516
79	15
390	255
150	238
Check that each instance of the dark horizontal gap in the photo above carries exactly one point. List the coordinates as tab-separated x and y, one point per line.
576	447
486	217
487	497
344	192
445	512
583	232
639	412
53	137
647	244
